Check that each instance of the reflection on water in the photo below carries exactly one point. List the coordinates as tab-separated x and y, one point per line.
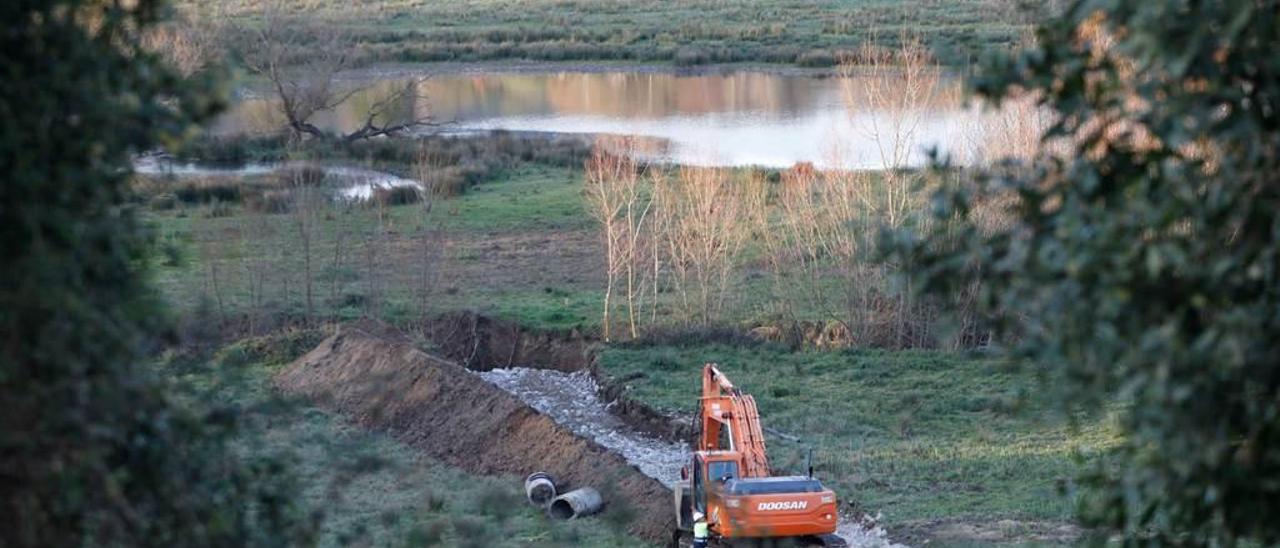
745	118
352	183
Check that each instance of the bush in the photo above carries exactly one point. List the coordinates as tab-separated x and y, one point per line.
219	210
819	58
1138	266
299	175
197	191
271	202
163	202
398	195
691	56
98	451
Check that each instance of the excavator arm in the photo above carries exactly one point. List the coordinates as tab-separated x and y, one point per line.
729	481
730	421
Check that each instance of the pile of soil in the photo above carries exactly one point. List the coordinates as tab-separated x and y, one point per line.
373	374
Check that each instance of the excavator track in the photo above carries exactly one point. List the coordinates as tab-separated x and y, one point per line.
685	540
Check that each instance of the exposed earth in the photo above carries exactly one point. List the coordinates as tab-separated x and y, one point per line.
571	399
504	421
379	379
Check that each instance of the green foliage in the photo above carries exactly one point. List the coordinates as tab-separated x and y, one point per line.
1142	264
95	450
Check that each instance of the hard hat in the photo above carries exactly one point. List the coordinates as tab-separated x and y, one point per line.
697	515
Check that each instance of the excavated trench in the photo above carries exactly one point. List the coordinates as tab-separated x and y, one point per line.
375	376
551	416
572	400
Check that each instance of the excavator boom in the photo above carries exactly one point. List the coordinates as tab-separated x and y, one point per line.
729	481
730	421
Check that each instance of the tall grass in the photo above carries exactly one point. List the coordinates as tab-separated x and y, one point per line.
806	32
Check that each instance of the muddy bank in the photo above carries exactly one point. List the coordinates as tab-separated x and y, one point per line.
481	343
374	375
640	416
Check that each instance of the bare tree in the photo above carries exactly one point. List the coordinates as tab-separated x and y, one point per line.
212	252
374	248
897	86
617	203
257	266
307	204
191	42
702	231
430	238
302	61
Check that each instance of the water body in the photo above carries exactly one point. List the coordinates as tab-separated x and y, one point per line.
735	119
352	183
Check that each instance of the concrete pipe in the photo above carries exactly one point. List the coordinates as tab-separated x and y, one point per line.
540	488
576	504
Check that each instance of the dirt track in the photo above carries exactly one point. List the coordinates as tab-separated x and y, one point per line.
372	374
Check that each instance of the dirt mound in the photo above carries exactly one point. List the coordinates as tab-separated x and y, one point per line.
481	343
373	374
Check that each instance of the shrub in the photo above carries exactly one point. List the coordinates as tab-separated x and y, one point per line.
271	202
218	210
196	191
820	58
299	175
397	195
163	202
98	451
1137	264
691	56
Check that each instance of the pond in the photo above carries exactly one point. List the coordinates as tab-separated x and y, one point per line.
864	121
352	183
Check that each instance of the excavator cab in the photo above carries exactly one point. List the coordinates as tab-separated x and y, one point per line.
729	480
708	475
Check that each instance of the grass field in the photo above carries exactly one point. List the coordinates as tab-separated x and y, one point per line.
919	437
370	489
689	32
927	439
519	247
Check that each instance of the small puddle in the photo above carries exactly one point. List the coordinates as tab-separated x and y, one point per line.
352	183
572	400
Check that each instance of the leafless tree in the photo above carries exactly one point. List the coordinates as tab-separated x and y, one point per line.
702	232
897	86
302	61
619	204
430	242
191	42
257	231
307	204
374	249
212	252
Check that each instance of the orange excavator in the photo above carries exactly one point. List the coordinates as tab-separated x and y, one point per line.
729	483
